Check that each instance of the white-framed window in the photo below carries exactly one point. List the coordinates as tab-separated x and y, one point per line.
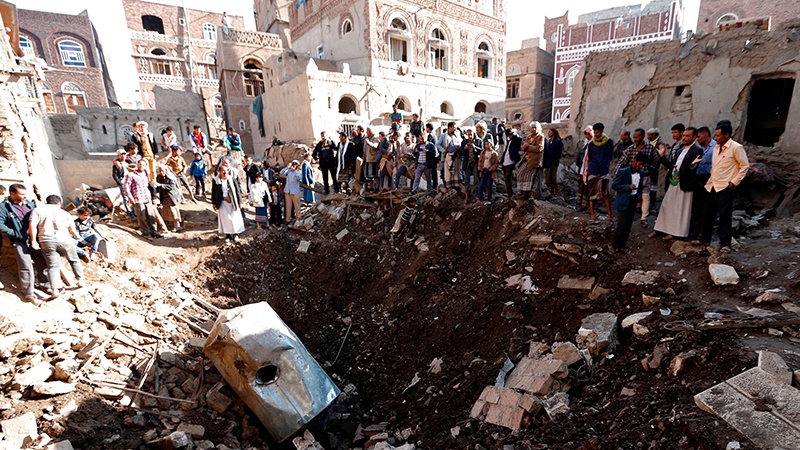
27	46
321	52
446	108
438	50
160	66
71	53
216	104
242	125
485	59
253	78
74	97
571	79
181	21
399	40
347	27
209	32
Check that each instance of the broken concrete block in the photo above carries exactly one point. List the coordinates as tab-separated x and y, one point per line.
341	235
567	282
18	344
20	431
175	440
537	348
567	352
635	318
53	388
556	405
217	401
108	249
504	407
679	362
303	247
510	256
537	376
722	274
35	375
640	277
540	240
654	361
307	442
649	300
772	297
775	365
84	302
109	392
65	369
679	248
640	330
133	265
598	332
759	406
569	248
62	445
195	431
598	291
118	351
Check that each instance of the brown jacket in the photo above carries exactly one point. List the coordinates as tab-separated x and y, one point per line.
494	161
533	149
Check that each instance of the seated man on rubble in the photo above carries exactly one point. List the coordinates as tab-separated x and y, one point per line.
406	223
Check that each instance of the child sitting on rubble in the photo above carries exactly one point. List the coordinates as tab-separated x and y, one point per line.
88	234
275	205
406	222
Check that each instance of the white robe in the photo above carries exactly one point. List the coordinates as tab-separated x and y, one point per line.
676	209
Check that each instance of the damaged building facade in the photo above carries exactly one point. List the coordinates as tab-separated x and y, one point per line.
351	60
529	84
605	30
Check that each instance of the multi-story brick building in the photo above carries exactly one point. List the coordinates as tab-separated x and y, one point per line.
175	47
529	84
74	78
713	13
442	59
613	29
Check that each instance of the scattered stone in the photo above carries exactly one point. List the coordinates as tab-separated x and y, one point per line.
567	282
635	318
176	439
53	388
514	280
569	248
540	240
20	431
109	392
537	348
598	332
69	407
217	401
436	366
118	351
84	302
733	445
598	291
775	365
723	274
567	352
303	247
18	344
195	431
640	277
65	369
771	297
640	330
679	362
649	300
455	431
654	361
759	406
341	235
537	376
35	375
196	342
62	445
628	392
504	407
556	405
133	265
510	256
679	248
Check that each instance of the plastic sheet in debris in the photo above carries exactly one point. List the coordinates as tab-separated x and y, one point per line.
265	363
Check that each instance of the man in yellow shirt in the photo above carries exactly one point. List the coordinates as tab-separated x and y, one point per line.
729	166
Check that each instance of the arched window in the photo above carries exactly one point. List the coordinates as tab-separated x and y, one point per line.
399	40
446	108
347	27
153	23
125	133
438	49
480	107
517	116
571	79
208	66
71	53
242	125
216	104
402	104
347	105
253	78
27	46
74	97
485	58
209	32
160	66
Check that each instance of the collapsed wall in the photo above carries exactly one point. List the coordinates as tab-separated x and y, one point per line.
698	82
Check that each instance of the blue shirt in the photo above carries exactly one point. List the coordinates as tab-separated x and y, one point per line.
293	178
704	168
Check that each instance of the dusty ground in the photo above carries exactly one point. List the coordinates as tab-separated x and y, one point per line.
409	306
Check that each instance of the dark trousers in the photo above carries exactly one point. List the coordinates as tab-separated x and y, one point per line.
329	171
275	214
718	203
485	183
199	185
624	223
696	221
508	175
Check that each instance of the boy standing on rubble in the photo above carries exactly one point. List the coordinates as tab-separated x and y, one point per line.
628	185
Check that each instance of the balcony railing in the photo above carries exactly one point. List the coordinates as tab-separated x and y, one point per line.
152	36
253	38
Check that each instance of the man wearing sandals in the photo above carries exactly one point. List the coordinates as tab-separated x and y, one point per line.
729	166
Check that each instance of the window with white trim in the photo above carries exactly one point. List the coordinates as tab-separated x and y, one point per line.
71	53
571	80
209	32
347	27
399	40
27	46
74	97
253	78
438	50
484	60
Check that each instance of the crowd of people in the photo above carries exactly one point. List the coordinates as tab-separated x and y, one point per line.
702	168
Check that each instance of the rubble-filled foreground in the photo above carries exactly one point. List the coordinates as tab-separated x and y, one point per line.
497	326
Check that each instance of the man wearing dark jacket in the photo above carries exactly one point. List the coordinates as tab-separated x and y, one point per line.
510	158
425	157
325	155
118	171
15	213
347	155
628	186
